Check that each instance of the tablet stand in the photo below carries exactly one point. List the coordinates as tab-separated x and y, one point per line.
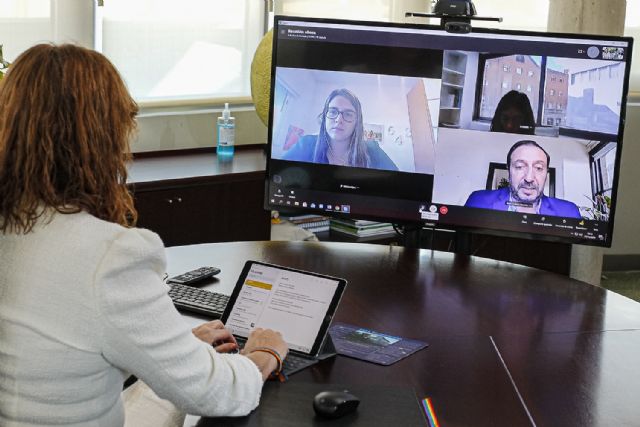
327	349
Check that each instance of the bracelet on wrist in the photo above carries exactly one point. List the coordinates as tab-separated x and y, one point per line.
278	371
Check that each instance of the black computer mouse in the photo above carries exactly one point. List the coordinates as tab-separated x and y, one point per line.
334	404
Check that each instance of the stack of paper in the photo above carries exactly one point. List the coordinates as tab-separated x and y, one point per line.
360	228
313	223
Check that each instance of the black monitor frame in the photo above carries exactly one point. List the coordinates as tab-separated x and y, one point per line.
486	218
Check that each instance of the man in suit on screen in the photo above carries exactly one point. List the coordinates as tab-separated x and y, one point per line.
528	165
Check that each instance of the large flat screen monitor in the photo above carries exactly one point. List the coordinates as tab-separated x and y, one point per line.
506	132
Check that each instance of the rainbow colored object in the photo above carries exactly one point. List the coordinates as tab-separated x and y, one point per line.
431	414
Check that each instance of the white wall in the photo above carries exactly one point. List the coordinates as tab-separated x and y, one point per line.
303	107
578	178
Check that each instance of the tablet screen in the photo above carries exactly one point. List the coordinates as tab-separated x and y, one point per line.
296	303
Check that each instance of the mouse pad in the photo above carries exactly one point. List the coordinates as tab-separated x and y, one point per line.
372	346
290	404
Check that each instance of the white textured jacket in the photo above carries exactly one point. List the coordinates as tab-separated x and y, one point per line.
82	306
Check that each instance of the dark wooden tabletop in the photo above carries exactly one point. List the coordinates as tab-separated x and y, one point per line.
509	345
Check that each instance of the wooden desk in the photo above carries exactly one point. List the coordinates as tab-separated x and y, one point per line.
509	345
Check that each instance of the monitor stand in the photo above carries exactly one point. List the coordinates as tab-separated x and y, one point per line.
463	243
414	236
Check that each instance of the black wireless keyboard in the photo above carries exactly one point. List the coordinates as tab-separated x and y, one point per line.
198	300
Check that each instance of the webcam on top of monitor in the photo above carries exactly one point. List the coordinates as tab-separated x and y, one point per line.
455	15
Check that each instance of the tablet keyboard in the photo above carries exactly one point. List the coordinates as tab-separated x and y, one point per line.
187	298
293	364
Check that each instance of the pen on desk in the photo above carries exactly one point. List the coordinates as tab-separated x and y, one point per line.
430	413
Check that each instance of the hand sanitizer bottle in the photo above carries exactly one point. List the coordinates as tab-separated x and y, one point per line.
226	133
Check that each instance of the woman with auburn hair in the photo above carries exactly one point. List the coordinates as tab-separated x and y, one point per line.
82	299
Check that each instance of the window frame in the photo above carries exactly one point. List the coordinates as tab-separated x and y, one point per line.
482	60
78	21
596	156
186	103
563	131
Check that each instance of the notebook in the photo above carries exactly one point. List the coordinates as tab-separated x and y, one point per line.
299	304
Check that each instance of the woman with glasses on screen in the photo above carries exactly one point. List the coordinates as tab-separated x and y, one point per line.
340	140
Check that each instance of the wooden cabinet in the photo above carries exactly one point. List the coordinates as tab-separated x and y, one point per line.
218	206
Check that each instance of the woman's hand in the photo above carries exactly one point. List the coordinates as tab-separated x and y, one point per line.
217	335
265	362
266	338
